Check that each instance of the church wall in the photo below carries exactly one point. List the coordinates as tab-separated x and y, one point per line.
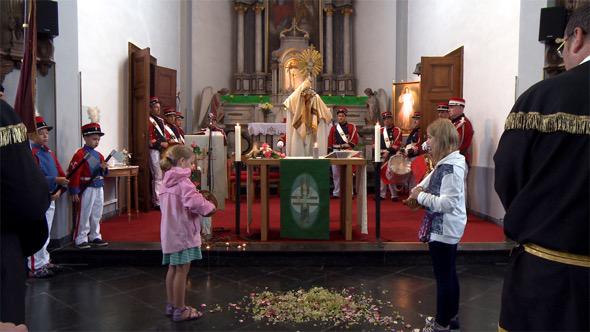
489	31
105	27
212	48
374	36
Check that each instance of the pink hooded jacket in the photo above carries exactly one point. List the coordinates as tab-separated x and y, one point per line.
182	206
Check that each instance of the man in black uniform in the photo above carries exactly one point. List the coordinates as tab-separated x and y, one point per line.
24	197
542	179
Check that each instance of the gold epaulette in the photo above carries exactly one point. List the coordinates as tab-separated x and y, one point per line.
13	134
548	123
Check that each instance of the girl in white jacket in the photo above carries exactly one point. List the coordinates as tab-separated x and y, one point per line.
442	193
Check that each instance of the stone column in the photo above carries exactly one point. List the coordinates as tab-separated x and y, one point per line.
240	8
329	35
258	8
347	12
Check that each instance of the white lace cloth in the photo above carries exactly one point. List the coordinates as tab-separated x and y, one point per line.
263	128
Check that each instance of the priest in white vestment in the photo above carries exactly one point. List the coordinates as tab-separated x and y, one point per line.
308	122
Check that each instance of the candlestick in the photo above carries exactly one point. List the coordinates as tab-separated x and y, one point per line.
377	142
316	151
238	142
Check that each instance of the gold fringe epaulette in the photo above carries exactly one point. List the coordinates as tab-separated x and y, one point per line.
548	123
13	134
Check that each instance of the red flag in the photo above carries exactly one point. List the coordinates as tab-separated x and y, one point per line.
24	105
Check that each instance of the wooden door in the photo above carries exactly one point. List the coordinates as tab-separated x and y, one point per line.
139	95
442	79
165	86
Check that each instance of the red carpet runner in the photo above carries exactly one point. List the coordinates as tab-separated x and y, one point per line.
398	224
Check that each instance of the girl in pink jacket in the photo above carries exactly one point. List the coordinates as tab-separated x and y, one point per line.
182	206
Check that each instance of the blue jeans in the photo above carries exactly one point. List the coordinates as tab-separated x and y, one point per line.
447	284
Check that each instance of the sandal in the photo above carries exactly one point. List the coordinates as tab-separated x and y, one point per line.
186	313
169	311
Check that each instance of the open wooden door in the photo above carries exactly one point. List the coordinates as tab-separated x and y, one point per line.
139	95
165	86
442	79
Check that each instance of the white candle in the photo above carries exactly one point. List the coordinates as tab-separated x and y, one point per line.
377	142
238	143
315	145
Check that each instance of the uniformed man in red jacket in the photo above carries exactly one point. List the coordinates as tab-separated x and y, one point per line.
463	125
343	136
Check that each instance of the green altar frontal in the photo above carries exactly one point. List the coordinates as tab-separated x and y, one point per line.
328	100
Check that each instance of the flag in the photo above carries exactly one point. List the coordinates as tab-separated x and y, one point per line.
24	104
305	199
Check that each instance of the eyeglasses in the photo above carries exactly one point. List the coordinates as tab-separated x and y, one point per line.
561	42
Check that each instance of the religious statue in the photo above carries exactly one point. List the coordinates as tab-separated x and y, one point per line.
376	104
211	112
308	120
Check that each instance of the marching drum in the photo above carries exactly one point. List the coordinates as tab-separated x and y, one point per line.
397	170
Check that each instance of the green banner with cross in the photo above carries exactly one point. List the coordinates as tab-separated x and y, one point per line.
305	199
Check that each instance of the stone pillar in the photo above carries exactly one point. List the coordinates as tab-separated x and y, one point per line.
347	12
258	8
240	8
329	37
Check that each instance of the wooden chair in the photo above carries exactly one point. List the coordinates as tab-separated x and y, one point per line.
231	178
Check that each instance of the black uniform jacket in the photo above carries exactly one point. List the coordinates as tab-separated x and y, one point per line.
542	164
24	192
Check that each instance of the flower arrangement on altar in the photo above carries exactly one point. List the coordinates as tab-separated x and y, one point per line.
265	108
265	151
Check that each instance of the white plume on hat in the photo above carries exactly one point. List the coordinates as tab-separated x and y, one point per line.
93	114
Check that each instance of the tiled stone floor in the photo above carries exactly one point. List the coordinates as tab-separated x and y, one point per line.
132	298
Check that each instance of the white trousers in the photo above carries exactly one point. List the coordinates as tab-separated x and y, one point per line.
156	175
336	178
41	257
88	225
384	188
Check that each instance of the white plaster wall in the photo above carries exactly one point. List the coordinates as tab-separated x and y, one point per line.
489	32
104	29
67	101
531	57
374	44
212	31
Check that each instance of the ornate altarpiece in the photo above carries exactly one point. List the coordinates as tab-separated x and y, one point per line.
269	31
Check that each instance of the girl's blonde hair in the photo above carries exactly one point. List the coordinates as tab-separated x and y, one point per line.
172	155
446	138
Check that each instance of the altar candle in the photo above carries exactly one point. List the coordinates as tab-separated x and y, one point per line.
377	143
238	143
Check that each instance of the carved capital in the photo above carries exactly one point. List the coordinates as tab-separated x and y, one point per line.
240	8
347	11
329	9
258	7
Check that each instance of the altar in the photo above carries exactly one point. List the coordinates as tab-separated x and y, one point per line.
345	215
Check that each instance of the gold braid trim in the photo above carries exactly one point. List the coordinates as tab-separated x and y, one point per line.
547	123
13	134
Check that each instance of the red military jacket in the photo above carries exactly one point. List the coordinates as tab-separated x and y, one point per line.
335	141
158	133
91	168
465	130
395	139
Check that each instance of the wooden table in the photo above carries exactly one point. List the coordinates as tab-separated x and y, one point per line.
128	172
346	185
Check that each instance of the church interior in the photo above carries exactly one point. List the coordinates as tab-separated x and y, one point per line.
235	65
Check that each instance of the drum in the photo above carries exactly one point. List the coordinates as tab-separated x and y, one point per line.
397	170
